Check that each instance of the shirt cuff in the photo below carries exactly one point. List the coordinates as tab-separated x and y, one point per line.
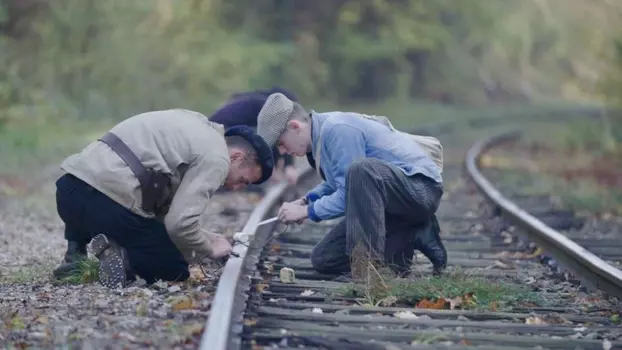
312	197
311	213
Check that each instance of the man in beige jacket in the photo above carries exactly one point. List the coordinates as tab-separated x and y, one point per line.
139	192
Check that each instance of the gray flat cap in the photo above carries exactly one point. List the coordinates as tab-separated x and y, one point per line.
273	116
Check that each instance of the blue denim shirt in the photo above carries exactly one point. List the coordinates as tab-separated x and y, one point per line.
347	137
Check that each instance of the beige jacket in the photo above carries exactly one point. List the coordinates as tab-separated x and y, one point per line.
182	143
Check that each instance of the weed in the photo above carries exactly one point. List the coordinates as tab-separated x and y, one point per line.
86	271
473	292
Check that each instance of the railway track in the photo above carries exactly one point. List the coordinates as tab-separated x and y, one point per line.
496	293
602	242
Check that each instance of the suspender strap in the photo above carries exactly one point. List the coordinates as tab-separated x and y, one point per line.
128	157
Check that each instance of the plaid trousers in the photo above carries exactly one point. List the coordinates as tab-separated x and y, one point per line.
385	210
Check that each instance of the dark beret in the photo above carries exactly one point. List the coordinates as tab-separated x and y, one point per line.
264	152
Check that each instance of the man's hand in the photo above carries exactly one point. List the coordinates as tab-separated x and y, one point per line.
220	246
290	212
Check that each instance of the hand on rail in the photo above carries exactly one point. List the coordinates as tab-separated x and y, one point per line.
220	246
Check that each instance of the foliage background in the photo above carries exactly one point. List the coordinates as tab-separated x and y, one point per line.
69	66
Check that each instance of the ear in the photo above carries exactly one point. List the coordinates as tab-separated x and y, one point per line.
236	155
293	124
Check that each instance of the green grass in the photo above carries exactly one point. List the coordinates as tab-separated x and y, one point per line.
26	274
407	114
477	293
24	147
87	271
579	140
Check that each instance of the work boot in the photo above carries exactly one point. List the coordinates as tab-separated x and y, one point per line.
428	241
114	271
75	252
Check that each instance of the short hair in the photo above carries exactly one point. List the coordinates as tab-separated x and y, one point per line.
240	142
299	113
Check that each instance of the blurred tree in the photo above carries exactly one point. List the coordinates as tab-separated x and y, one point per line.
116	57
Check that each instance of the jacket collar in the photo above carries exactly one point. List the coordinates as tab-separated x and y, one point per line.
317	121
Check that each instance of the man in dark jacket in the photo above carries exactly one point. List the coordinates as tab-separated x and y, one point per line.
243	109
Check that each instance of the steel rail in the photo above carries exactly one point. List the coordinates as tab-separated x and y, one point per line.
577	259
216	335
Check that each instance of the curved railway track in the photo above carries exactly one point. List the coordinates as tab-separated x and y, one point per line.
254	309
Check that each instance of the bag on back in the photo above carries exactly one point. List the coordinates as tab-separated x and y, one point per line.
431	145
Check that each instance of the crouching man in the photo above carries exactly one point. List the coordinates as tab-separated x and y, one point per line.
382	181
138	193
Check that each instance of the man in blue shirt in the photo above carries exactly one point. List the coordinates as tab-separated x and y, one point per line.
382	181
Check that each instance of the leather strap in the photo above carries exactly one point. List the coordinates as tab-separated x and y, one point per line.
128	157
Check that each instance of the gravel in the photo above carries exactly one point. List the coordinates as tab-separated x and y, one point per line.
35	312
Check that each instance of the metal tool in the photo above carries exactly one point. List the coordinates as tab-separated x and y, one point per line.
267	221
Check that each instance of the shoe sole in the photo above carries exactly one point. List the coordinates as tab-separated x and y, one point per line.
111	265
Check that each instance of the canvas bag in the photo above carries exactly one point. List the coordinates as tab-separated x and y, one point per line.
430	145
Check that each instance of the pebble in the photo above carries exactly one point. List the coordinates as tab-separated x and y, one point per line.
91	316
174	289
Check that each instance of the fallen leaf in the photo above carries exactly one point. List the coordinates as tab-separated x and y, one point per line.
493	306
250	322
558	319
439	304
196	273
464	342
536	253
388	301
42	319
534	320
194	329
182	303
261	287
269	267
275	248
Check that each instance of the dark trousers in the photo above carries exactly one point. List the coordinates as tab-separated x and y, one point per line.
88	212
385	211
